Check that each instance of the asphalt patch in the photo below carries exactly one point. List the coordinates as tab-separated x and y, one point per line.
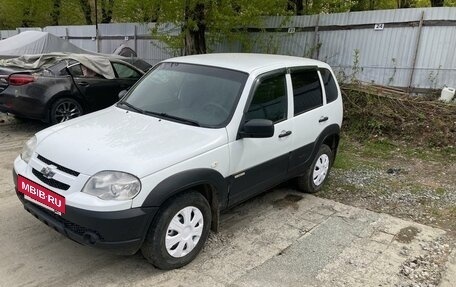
290	200
407	234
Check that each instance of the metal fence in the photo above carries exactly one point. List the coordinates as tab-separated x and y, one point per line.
403	47
110	36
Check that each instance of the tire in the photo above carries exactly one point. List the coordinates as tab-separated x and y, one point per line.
318	172
65	109
160	249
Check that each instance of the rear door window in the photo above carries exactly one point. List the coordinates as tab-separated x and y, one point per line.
307	93
125	72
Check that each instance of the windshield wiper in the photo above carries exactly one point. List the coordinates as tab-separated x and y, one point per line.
132	107
179	119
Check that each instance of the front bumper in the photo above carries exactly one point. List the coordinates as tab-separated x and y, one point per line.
122	232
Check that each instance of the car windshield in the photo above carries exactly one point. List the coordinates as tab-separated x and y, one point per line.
188	93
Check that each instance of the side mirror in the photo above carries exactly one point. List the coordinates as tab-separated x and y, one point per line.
257	128
122	94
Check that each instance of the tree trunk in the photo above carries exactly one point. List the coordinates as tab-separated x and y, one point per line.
87	10
296	6
56	12
404	3
437	3
106	11
195	38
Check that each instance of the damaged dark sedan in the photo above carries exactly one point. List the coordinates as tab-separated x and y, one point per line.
58	87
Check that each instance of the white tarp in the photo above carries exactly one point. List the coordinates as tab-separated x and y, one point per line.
99	64
36	42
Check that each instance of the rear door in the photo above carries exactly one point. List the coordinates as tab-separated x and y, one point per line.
96	90
310	117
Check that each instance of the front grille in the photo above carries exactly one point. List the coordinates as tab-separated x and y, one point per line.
59	167
50	181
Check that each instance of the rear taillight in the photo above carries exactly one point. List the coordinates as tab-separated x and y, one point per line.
20	79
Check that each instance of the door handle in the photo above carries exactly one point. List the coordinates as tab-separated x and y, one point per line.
323	119
284	134
83	84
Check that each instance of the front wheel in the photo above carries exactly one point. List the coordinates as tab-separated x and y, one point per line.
316	175
179	232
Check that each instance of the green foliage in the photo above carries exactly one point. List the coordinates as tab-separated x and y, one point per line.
221	16
371	113
356	68
223	20
136	10
38	13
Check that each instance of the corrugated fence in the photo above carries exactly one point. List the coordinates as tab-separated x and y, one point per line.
403	47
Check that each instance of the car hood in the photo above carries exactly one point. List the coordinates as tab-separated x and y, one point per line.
116	139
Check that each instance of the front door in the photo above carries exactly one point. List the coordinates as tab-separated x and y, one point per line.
257	164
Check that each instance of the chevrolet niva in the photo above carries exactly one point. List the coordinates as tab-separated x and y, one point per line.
195	136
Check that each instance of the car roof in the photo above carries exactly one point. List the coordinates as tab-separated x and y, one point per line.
246	62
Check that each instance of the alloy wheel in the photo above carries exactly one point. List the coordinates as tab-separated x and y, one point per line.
66	111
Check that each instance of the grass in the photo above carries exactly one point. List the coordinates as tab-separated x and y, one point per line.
381	148
415	192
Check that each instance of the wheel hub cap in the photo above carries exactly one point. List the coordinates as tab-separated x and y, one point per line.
184	231
321	169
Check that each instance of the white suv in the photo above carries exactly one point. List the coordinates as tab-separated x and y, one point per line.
195	136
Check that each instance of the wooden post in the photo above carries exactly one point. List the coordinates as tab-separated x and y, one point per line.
316	50
135	38
415	54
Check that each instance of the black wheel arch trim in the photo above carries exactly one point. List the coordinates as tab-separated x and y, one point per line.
188	179
302	158
329	131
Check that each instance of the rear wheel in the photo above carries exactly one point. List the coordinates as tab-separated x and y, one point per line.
179	232
65	109
316	175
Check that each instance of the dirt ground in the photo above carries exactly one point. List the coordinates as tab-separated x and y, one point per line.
281	238
416	184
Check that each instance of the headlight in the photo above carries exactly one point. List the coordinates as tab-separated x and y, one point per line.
28	149
113	185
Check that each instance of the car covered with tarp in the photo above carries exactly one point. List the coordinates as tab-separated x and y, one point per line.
56	87
37	43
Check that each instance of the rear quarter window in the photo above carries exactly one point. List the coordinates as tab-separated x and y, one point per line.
330	85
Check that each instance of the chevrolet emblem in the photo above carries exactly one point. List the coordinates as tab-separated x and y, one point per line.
48	171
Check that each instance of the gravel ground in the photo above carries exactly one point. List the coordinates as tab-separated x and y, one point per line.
405	184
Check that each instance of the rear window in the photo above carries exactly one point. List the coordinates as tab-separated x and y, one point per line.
330	85
307	92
